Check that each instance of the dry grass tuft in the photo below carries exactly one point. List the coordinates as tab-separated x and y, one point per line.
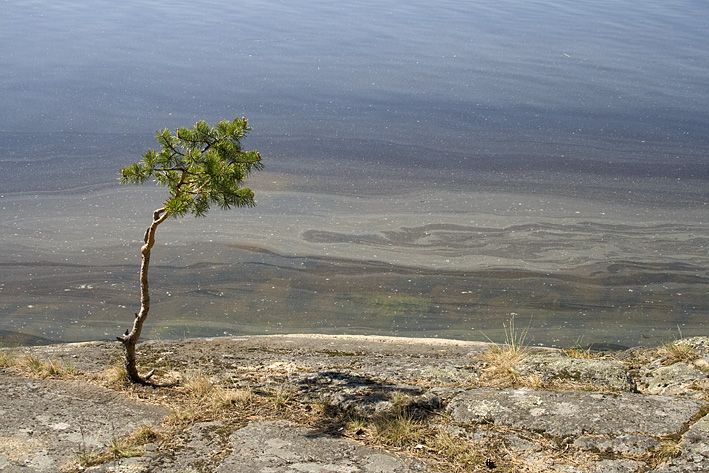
39	367
456	450
398	430
7	359
282	396
579	351
115	375
224	398
533	381
126	447
502	359
145	434
678	351
198	385
400	400
356	424
180	417
86	459
667	450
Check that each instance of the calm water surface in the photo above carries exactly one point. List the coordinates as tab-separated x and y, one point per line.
431	167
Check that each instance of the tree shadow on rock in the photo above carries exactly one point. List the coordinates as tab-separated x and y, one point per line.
350	405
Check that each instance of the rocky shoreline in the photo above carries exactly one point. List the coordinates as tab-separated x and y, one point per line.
359	404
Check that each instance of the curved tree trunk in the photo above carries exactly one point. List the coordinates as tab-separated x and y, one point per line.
130	338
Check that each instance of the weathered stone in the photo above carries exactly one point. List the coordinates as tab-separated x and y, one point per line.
627	443
278	446
615	466
673	379
695	452
604	433
696	439
131	465
565	414
599	373
38	438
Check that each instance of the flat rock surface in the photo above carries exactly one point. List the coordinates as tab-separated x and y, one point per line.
44	423
282	447
555	427
567	413
270	446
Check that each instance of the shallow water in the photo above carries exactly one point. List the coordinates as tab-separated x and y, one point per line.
431	169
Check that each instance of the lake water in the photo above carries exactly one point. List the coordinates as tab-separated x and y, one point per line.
432	169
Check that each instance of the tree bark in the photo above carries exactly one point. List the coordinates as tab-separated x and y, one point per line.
130	338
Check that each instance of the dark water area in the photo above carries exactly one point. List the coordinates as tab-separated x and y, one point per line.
431	168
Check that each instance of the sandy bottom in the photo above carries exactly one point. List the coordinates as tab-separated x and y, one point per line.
427	263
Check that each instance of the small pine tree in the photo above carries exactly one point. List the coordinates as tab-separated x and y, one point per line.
200	166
